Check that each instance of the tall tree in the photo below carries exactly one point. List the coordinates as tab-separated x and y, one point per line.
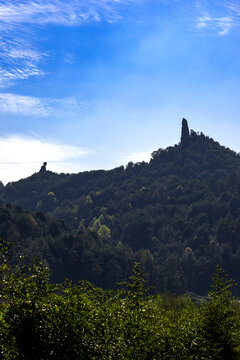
185	133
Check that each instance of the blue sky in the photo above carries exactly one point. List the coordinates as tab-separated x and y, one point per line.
95	84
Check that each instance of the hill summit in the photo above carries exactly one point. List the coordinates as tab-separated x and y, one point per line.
179	214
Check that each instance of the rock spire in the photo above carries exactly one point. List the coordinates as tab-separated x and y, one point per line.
185	133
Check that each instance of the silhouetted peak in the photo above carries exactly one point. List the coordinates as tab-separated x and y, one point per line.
185	133
43	167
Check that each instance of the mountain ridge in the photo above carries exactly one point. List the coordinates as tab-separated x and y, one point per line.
179	214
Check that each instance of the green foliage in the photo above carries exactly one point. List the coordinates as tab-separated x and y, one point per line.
221	287
66	321
170	301
221	318
104	232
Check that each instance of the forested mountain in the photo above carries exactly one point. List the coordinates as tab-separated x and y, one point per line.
179	215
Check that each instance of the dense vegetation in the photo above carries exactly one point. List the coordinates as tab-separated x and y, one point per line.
39	320
179	215
76	255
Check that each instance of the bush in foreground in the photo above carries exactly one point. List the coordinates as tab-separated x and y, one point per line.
39	320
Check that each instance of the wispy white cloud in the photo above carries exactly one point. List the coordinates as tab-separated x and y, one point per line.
17	104
28	105
20	53
219	17
22	156
63	12
225	24
19	58
203	21
135	157
9	74
222	24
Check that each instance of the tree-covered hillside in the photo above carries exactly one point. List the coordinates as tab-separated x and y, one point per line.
76	255
179	214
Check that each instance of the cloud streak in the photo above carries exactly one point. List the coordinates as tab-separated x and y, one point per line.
221	24
22	156
40	107
59	11
219	17
19	57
